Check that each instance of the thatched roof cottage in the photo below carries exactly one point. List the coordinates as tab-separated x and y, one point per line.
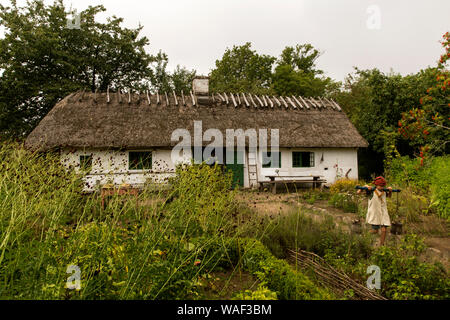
127	137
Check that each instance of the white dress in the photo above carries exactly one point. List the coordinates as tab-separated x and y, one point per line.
377	213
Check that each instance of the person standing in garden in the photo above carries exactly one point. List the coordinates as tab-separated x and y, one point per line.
377	213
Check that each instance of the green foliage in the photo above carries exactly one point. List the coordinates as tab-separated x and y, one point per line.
430	180
278	275
202	194
375	101
299	231
162	80
262	293
345	202
125	251
405	277
43	61
242	69
428	125
157	251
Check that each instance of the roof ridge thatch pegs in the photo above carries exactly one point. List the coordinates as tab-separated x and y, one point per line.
284	102
311	102
158	100
298	102
317	103
234	101
221	97
182	98
253	101
330	103
95	95
277	101
259	100
265	101
304	102
270	101
82	95
213	99
148	98
337	106
107	95
167	98
245	100
226	97
175	97
322	102
238	98
193	99
291	102
129	96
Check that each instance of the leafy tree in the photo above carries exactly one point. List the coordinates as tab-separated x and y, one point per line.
41	60
164	81
374	102
428	126
301	58
181	79
241	69
296	73
160	79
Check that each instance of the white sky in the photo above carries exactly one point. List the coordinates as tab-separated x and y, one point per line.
194	33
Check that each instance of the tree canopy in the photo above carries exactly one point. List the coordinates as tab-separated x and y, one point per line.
242	69
42	60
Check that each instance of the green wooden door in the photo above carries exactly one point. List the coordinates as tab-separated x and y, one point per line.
237	167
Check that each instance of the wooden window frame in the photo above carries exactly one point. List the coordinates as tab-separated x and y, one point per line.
311	161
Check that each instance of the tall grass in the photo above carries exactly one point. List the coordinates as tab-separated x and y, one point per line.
127	251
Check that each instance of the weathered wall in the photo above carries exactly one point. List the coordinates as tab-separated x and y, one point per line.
336	162
112	166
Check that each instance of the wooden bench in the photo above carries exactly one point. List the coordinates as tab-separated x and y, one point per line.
315	180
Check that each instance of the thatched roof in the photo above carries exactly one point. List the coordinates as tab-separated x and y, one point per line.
123	120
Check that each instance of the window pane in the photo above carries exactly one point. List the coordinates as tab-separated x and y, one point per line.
140	160
302	159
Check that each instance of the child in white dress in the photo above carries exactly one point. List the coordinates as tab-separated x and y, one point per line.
377	213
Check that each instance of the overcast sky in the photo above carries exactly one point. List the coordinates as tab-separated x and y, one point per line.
402	35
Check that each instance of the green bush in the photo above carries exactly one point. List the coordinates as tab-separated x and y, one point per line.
346	202
431	180
278	275
262	293
405	277
299	231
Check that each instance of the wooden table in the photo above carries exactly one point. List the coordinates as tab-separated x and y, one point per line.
108	191
315	180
